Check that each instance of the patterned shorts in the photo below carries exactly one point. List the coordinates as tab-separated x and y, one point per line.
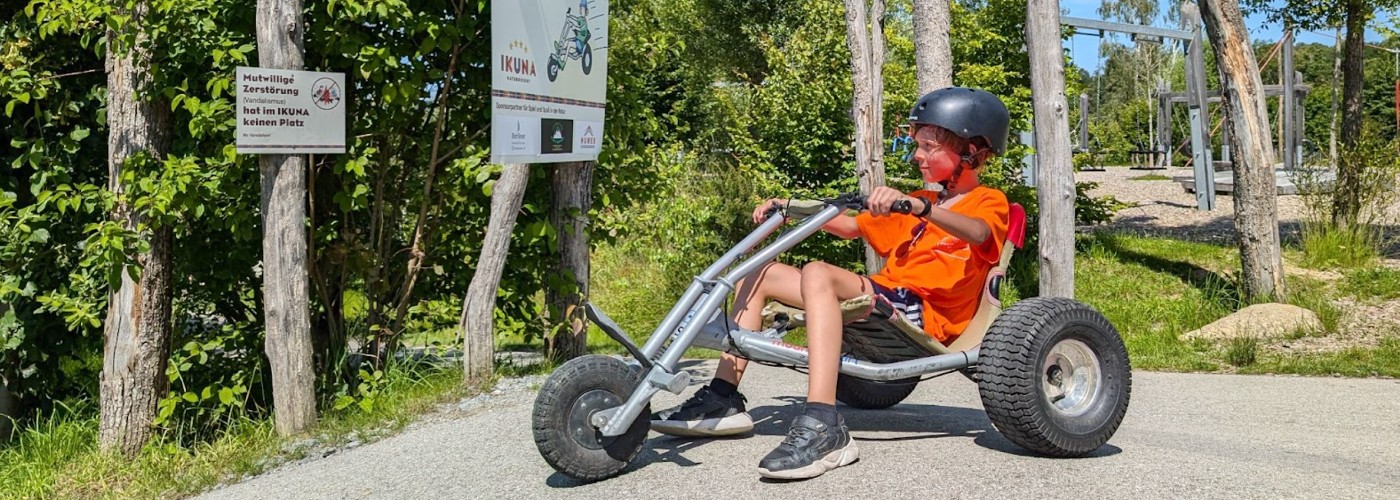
904	301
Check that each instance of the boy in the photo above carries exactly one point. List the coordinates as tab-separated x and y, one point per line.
937	259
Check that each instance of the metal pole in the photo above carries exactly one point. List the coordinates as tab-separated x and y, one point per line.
1287	141
1084	122
1200	144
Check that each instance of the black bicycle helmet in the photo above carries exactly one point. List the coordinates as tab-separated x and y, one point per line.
970	113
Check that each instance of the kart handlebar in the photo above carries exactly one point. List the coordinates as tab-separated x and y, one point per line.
849	201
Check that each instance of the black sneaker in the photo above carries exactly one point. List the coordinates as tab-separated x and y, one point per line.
810	449
705	414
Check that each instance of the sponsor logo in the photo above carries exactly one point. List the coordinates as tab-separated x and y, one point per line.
556	136
589	139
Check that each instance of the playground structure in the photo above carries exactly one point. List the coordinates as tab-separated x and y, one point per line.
1198	98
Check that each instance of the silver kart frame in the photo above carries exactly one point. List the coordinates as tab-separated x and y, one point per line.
705	297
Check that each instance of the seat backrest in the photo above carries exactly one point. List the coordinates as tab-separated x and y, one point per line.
990	307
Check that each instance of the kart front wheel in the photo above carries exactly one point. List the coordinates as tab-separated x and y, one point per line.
553	70
587	58
564	408
1054	376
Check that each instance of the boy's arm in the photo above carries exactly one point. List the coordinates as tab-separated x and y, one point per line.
970	229
843	226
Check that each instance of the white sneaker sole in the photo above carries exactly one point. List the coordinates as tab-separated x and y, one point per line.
710	427
837	458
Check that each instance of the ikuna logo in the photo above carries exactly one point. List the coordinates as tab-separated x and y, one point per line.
515	64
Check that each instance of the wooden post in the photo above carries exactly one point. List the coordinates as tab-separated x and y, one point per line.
867	81
479	307
933	59
1055	171
136	333
1203	165
572	194
1255	191
286	302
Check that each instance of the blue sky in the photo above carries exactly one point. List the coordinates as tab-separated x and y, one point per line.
1085	48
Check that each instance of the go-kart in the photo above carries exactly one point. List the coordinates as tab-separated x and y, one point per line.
575	45
1053	373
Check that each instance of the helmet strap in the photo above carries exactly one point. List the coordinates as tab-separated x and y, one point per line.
953	181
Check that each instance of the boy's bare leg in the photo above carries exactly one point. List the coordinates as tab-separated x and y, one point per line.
775	281
824	286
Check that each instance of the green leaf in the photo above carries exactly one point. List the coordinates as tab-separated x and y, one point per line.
10	108
226	396
191	397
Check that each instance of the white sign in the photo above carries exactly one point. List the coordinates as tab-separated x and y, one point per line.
290	112
549	75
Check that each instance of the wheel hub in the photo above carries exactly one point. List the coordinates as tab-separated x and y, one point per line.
1072	377
581	415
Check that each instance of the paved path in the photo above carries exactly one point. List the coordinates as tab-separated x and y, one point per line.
1185	436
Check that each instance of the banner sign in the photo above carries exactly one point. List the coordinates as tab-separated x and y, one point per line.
549	75
290	112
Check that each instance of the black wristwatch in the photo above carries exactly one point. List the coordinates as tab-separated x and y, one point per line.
928	207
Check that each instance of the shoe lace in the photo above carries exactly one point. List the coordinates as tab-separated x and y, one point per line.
799	435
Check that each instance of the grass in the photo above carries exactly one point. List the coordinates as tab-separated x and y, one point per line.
1375	283
57	455
1151	289
1150	177
1330	247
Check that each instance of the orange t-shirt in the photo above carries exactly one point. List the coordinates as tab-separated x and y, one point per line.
944	271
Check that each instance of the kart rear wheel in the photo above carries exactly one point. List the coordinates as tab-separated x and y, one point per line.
1054	377
587	58
870	394
566	403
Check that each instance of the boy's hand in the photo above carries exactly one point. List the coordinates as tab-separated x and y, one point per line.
879	201
760	214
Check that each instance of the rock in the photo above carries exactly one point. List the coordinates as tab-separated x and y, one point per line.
1258	321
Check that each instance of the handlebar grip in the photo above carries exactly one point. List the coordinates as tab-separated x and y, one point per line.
777	208
902	207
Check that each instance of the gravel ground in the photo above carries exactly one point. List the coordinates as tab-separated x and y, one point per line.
1185	436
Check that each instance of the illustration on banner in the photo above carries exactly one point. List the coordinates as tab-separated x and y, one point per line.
573	43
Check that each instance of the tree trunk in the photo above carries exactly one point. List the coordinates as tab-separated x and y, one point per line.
1055	172
1255	195
137	331
867	61
1345	204
479	306
286	306
933	59
573	196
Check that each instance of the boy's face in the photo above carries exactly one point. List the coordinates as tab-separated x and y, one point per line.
936	161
